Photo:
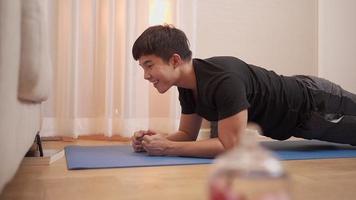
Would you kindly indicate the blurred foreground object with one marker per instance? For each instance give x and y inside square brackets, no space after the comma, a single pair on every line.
[248,172]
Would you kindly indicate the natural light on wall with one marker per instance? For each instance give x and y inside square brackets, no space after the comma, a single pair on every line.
[160,12]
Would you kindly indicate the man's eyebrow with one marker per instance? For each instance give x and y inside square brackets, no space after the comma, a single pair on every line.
[146,62]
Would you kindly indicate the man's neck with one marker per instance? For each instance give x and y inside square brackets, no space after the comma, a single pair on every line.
[187,77]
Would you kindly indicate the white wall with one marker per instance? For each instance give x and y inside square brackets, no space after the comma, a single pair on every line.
[337,42]
[276,34]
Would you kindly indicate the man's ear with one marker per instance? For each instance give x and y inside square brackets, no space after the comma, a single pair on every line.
[175,60]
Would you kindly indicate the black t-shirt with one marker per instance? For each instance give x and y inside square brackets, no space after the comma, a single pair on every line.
[227,85]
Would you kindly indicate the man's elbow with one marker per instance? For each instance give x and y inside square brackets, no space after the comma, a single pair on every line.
[229,141]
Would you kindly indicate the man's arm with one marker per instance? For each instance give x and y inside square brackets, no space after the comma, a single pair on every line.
[188,131]
[189,127]
[183,142]
[203,148]
[231,128]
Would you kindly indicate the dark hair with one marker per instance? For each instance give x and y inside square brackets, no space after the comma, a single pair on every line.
[162,41]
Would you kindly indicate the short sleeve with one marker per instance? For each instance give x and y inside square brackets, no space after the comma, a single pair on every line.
[186,100]
[230,97]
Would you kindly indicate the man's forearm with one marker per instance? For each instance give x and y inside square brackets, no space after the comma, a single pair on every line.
[202,148]
[180,136]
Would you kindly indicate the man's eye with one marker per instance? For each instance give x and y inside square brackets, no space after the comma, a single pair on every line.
[149,66]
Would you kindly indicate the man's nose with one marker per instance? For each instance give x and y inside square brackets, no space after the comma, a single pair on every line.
[146,75]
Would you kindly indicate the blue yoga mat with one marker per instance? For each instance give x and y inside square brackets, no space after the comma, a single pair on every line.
[115,156]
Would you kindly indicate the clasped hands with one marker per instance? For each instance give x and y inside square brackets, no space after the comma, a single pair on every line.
[153,143]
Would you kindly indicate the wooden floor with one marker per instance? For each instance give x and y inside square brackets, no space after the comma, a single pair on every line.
[327,179]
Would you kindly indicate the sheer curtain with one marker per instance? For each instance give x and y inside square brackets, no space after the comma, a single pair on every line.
[98,88]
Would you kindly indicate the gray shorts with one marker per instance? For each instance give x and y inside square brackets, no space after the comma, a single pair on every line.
[333,116]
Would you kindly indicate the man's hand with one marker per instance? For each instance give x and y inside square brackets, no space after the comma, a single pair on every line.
[156,145]
[136,140]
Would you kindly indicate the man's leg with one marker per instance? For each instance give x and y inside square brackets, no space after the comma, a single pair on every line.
[334,117]
[329,97]
[343,131]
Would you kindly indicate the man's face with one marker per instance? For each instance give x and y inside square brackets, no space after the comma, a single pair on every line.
[158,72]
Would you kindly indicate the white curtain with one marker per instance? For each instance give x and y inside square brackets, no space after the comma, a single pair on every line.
[98,88]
